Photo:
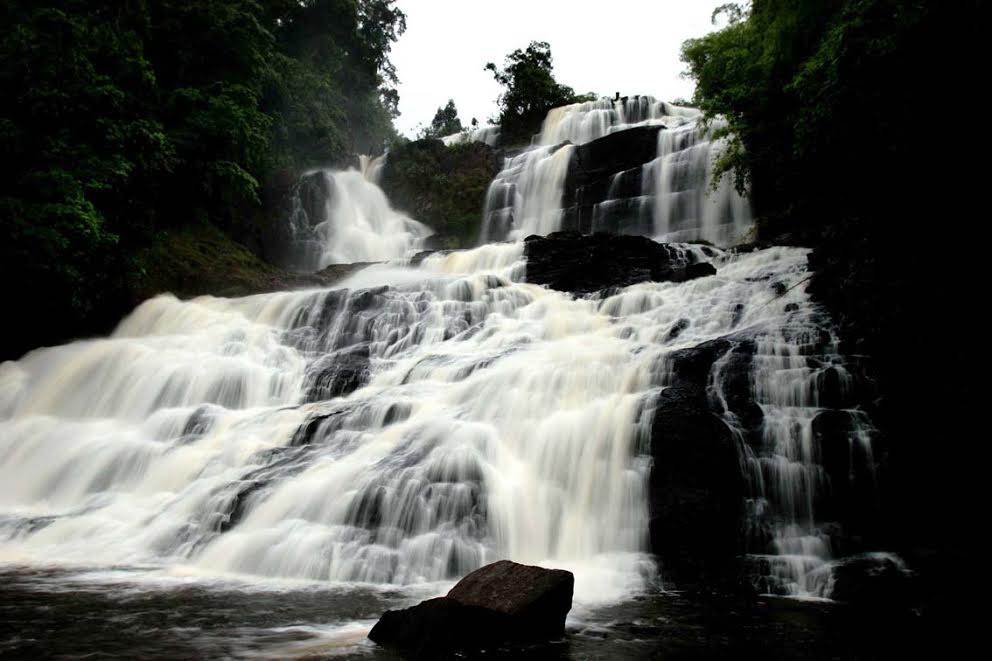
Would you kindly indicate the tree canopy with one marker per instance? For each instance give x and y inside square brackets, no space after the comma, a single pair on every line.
[530,90]
[832,130]
[119,120]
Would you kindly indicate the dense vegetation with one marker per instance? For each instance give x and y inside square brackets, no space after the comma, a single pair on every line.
[530,91]
[444,187]
[121,122]
[835,131]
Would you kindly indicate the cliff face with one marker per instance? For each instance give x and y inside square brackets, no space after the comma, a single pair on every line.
[444,187]
[609,168]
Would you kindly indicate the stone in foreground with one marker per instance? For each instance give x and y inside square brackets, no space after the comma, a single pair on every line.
[502,603]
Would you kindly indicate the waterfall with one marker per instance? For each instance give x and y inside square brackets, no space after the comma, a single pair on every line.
[674,194]
[679,188]
[525,197]
[409,425]
[580,123]
[342,217]
[797,375]
[486,134]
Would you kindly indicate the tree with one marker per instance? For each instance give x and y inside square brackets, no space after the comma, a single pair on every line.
[120,122]
[823,99]
[445,122]
[530,90]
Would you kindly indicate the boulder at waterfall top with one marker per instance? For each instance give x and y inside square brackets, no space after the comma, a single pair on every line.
[501,603]
[586,263]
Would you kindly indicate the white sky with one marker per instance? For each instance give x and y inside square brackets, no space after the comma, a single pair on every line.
[626,46]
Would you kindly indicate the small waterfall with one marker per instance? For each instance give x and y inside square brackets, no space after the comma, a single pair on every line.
[674,193]
[525,198]
[342,217]
[679,189]
[371,167]
[580,123]
[486,134]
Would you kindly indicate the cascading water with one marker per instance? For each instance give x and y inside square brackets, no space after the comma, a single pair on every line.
[675,192]
[344,217]
[486,134]
[680,192]
[580,123]
[525,198]
[492,418]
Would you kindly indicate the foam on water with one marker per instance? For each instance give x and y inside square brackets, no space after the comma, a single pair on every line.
[498,419]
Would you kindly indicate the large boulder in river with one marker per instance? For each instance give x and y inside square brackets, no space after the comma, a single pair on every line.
[499,604]
[585,263]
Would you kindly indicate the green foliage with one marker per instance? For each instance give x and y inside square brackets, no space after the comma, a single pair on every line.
[530,90]
[444,187]
[835,133]
[806,83]
[119,120]
[445,122]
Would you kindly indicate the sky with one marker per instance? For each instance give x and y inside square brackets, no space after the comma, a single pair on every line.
[626,46]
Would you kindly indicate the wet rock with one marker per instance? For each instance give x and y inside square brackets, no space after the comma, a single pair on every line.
[873,579]
[698,270]
[337,374]
[501,604]
[581,264]
[696,486]
[590,174]
[843,448]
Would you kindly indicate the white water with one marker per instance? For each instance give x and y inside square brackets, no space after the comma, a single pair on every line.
[678,186]
[500,420]
[677,191]
[580,123]
[525,197]
[485,134]
[358,224]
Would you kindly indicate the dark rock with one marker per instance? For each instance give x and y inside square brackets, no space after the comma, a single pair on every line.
[294,244]
[873,579]
[591,171]
[677,329]
[699,270]
[848,463]
[581,264]
[504,603]
[337,374]
[696,486]
[835,388]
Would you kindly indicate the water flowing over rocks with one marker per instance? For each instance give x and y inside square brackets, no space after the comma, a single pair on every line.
[600,402]
[501,603]
[634,165]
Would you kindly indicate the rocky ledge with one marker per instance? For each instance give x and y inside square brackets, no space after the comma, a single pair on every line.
[501,604]
[586,263]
